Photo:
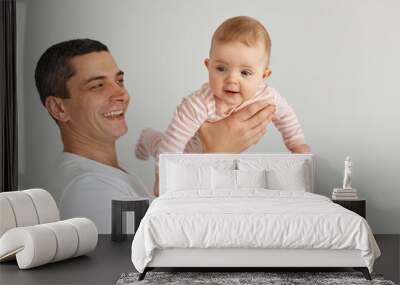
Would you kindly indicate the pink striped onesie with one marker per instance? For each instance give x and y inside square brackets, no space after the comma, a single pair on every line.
[199,107]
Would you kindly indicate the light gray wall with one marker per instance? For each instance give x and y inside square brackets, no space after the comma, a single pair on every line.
[337,63]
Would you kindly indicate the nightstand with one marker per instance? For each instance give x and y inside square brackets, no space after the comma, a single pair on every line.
[358,206]
[126,204]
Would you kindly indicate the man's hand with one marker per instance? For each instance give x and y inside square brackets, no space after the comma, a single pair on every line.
[239,131]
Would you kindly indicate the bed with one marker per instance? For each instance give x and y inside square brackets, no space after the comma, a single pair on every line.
[248,211]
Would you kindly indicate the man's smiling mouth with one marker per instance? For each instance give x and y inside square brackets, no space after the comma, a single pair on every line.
[114,114]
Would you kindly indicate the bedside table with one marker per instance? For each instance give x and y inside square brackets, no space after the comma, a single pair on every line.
[358,206]
[126,204]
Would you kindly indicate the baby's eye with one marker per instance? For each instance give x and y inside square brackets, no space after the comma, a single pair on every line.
[220,68]
[246,73]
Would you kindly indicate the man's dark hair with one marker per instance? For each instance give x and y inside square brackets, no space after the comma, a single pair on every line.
[54,69]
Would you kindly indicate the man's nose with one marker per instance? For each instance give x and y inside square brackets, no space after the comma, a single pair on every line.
[119,93]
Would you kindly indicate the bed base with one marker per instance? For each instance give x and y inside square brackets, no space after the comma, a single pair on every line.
[364,270]
[251,259]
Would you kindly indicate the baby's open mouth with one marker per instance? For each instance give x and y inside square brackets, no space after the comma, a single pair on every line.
[231,92]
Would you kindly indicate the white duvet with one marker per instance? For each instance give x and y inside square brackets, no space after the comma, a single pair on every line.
[251,218]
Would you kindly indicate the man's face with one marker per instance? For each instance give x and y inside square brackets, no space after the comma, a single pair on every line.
[98,99]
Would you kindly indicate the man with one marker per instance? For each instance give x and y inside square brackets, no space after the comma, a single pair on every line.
[82,88]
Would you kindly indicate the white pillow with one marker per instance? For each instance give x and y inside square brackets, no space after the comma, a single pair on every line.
[229,179]
[251,178]
[181,177]
[223,179]
[281,174]
[293,178]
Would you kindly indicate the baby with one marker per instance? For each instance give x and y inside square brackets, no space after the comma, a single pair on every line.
[238,68]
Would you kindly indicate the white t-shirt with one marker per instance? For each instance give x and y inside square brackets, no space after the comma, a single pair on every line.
[84,188]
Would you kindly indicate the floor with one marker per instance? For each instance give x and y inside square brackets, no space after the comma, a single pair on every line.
[388,263]
[110,260]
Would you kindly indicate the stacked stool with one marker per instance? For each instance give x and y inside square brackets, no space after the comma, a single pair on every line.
[31,231]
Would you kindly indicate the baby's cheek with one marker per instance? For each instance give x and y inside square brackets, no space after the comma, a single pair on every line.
[251,92]
[214,86]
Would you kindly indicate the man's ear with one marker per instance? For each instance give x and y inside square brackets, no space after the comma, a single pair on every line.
[267,73]
[207,62]
[55,106]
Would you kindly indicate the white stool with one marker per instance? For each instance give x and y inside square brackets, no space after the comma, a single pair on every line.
[32,233]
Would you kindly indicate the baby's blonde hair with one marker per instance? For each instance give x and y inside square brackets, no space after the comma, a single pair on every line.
[243,29]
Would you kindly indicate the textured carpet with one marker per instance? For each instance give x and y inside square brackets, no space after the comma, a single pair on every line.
[225,278]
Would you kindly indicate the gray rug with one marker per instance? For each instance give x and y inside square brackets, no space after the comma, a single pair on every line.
[270,278]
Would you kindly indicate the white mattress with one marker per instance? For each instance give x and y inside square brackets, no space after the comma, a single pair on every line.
[251,218]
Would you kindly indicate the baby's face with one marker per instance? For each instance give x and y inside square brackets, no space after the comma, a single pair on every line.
[236,71]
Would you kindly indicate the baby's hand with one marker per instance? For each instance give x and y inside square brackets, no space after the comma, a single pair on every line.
[302,148]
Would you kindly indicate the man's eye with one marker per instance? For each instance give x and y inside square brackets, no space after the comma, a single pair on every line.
[220,68]
[97,86]
[246,73]
[120,82]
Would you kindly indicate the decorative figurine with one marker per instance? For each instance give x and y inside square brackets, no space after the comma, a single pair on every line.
[347,173]
[346,192]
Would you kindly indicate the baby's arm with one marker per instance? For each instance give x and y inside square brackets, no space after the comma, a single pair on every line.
[188,117]
[287,123]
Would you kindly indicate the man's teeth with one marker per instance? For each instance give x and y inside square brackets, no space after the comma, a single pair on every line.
[113,114]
